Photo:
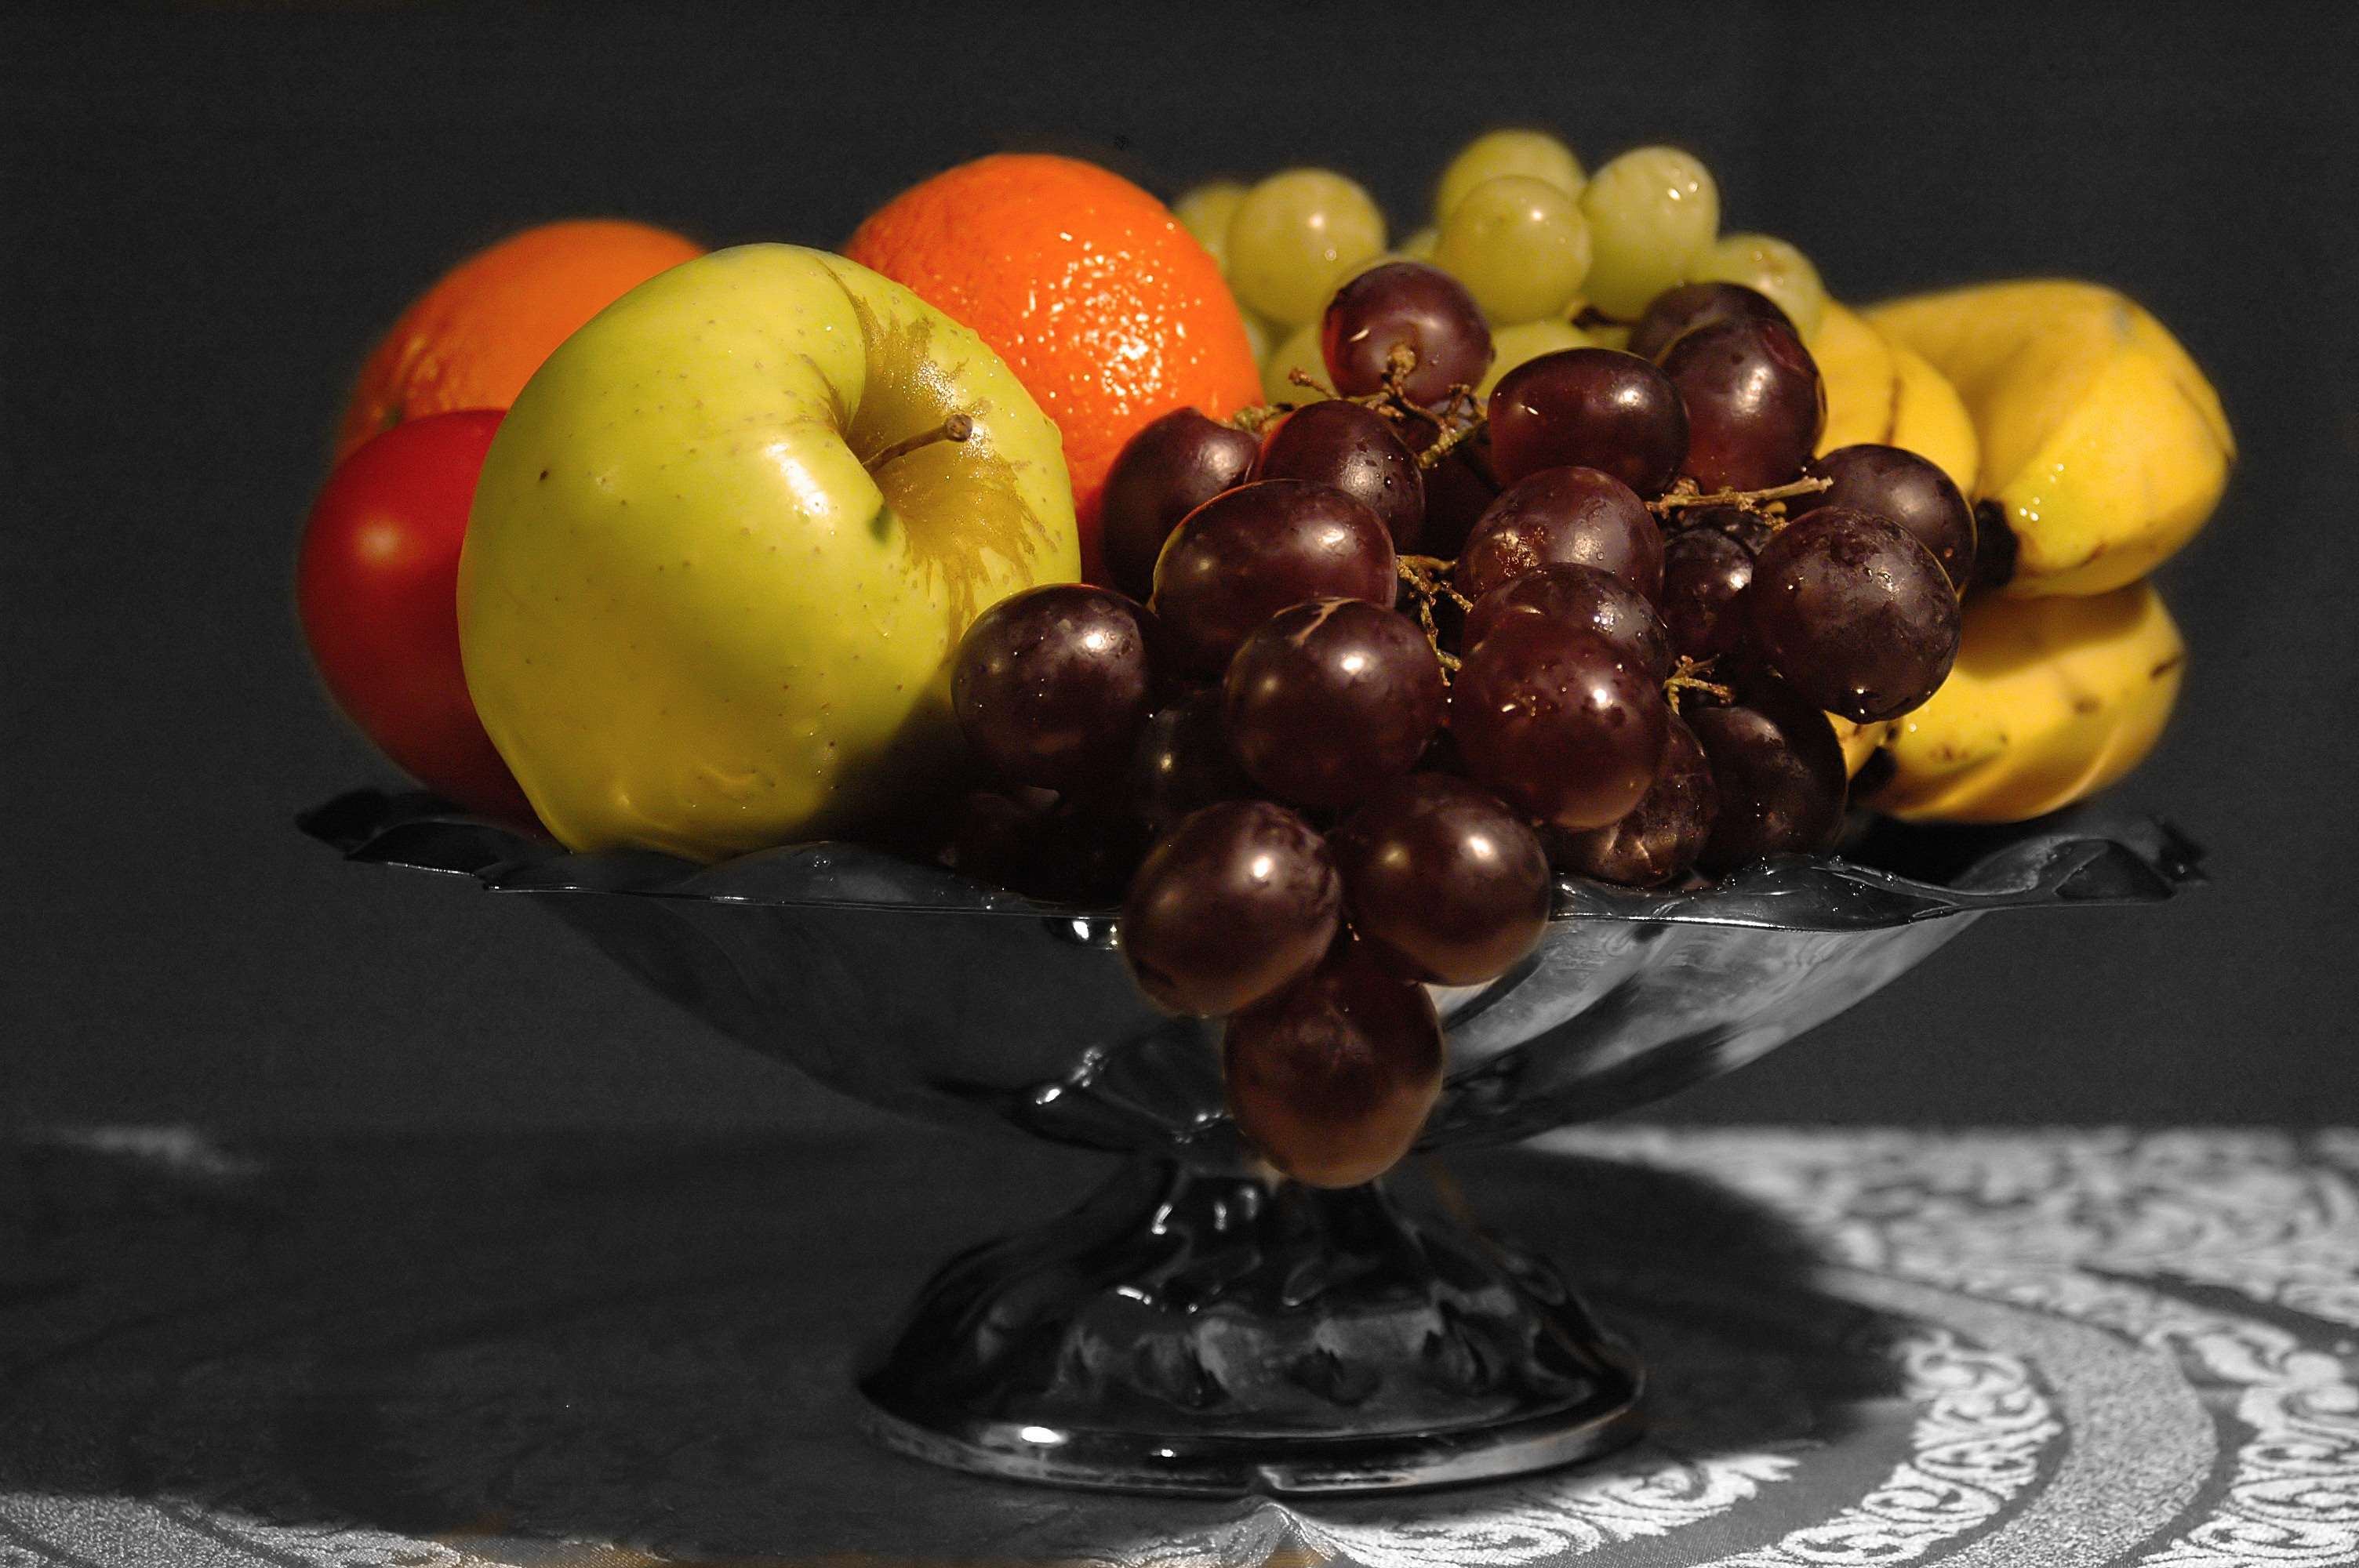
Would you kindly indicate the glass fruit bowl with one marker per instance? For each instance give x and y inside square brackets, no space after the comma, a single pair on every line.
[1195,1327]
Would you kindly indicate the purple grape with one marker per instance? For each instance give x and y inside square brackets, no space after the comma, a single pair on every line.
[1329,699]
[1585,597]
[1052,685]
[1443,879]
[1250,552]
[1457,488]
[1331,1078]
[1405,305]
[1356,450]
[1559,720]
[1898,486]
[1175,464]
[1184,762]
[1754,400]
[1855,613]
[1569,516]
[1594,408]
[1705,573]
[1238,901]
[1778,771]
[1664,834]
[1676,312]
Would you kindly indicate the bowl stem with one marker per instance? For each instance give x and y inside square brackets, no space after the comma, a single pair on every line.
[1188,1330]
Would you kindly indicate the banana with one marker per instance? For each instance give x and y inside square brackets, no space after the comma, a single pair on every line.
[1929,418]
[2100,439]
[1883,392]
[2052,698]
[1858,742]
[1856,366]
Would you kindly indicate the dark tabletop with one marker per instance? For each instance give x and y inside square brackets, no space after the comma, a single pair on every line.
[2040,1350]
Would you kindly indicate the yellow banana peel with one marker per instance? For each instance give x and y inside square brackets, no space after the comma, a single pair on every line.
[2051,699]
[1858,742]
[1856,366]
[1882,391]
[2101,439]
[1929,418]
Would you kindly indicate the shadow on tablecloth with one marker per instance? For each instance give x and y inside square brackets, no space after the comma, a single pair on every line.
[645,1344]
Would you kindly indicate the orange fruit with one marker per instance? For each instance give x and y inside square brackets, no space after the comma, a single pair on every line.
[475,338]
[1108,311]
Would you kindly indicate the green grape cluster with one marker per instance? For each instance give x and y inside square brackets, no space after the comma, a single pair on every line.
[1557,255]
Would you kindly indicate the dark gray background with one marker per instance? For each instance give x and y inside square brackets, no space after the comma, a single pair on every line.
[210,215]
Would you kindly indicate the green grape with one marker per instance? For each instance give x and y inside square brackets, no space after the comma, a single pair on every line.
[1534,154]
[1419,246]
[1651,213]
[1258,336]
[1205,210]
[1292,235]
[1300,352]
[1512,346]
[1613,335]
[1520,246]
[1771,265]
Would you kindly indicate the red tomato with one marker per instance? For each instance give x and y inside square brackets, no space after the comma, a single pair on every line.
[377,584]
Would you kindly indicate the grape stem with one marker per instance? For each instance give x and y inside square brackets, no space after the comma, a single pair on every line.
[1297,376]
[1457,428]
[1689,676]
[1392,399]
[1742,499]
[1458,418]
[1258,417]
[1427,578]
[1255,417]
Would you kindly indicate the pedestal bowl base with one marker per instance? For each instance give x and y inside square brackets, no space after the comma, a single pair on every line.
[1183,1332]
[1189,1328]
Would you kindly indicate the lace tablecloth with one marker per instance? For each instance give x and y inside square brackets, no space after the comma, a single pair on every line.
[2052,1348]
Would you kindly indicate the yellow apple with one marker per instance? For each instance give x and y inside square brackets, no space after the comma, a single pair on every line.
[726,542]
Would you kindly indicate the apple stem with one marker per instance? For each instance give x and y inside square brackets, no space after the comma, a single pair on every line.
[956,427]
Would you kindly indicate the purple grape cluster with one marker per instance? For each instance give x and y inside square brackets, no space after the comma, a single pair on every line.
[1321,772]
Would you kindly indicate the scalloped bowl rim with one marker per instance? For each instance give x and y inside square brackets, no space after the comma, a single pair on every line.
[2113,858]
